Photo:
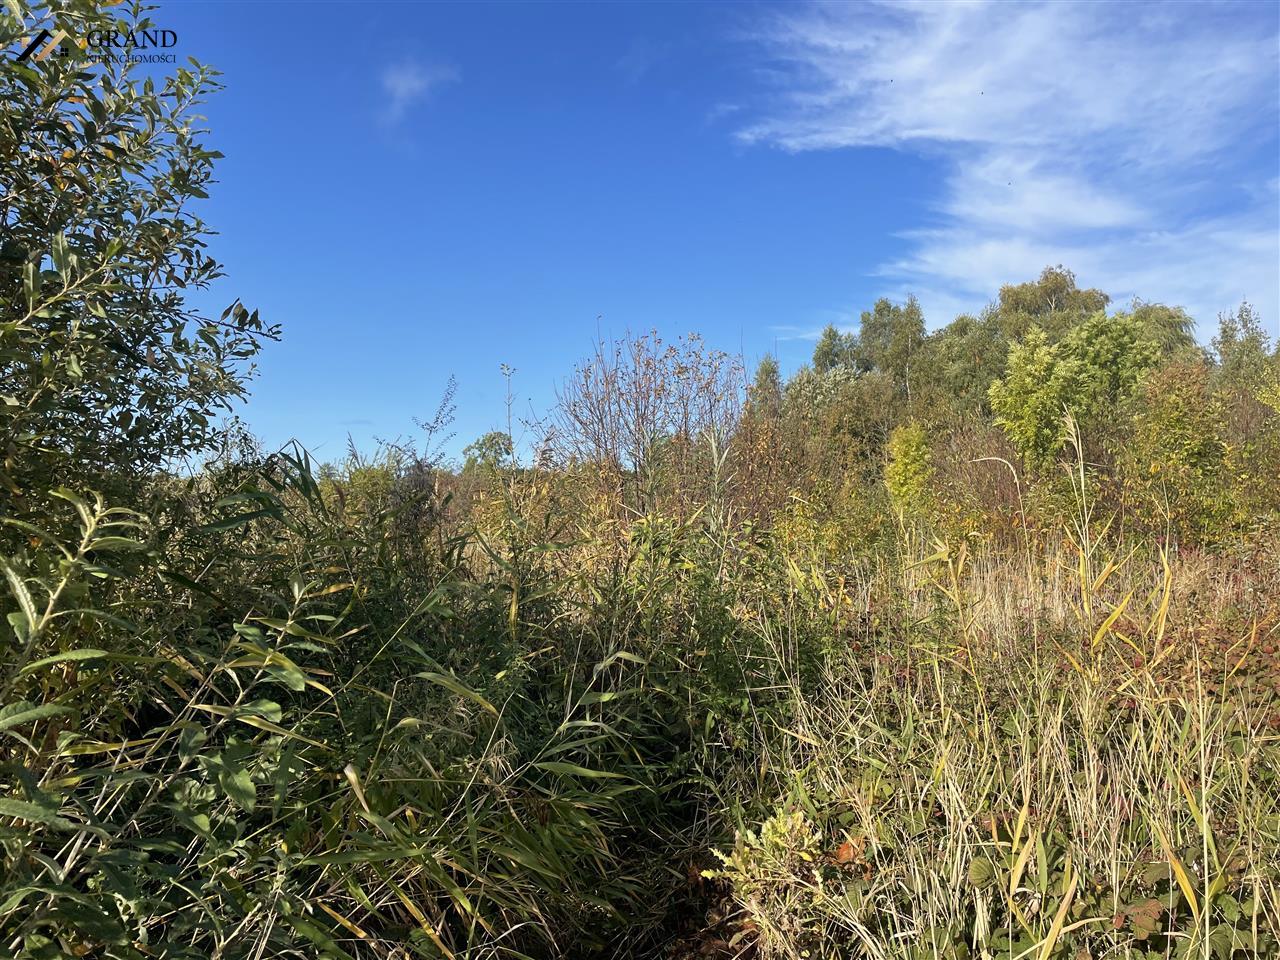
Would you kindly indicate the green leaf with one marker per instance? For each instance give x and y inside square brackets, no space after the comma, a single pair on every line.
[15,898]
[35,814]
[91,922]
[16,714]
[573,770]
[1223,941]
[316,936]
[238,785]
[981,872]
[116,543]
[21,625]
[257,722]
[289,675]
[60,254]
[190,740]
[267,709]
[87,654]
[26,604]
[454,685]
[31,283]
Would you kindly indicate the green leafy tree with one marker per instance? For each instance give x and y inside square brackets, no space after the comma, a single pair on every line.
[890,338]
[766,388]
[1243,348]
[1089,373]
[489,452]
[1053,302]
[105,370]
[1030,401]
[1269,393]
[1114,354]
[834,350]
[1176,456]
[1172,328]
[957,364]
[1245,383]
[953,372]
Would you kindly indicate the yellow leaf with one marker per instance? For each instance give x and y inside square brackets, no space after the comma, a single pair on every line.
[1055,931]
[1180,873]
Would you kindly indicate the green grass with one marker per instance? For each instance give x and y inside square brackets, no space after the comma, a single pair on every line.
[705,739]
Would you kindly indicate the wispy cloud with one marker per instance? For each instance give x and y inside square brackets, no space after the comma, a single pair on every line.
[1134,143]
[640,58]
[811,326]
[409,82]
[720,111]
[787,332]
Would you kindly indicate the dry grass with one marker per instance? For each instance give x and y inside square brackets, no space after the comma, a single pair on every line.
[1045,762]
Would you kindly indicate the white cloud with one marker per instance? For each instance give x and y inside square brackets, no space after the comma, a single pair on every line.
[812,326]
[1133,143]
[788,332]
[408,82]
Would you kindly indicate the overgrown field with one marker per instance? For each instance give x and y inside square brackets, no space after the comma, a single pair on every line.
[950,645]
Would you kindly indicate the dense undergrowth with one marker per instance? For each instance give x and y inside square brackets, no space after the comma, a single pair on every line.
[882,661]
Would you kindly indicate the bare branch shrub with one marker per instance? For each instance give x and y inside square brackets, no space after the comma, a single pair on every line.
[643,414]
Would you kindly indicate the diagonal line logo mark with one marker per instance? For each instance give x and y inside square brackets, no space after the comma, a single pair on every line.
[45,42]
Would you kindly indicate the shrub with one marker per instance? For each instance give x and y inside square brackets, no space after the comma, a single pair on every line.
[1175,460]
[908,474]
[1088,374]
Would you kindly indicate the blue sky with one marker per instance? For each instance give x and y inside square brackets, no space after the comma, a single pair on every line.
[422,190]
